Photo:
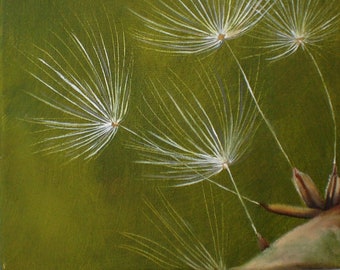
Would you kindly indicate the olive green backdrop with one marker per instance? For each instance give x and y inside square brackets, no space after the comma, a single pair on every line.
[69,216]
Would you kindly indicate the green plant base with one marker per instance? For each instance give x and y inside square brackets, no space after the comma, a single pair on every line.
[313,245]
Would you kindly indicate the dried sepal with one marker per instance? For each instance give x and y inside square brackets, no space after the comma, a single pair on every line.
[333,190]
[292,211]
[311,197]
[307,190]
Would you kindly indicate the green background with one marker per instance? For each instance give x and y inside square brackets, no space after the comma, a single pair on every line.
[56,216]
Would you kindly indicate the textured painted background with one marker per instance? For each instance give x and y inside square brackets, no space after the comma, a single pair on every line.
[69,216]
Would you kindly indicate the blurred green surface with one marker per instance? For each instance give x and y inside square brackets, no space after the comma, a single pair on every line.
[56,216]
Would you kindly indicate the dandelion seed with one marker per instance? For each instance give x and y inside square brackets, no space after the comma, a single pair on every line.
[191,140]
[196,26]
[192,143]
[295,24]
[88,81]
[305,24]
[181,246]
[202,26]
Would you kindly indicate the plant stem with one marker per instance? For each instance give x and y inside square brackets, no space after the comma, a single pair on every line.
[270,127]
[242,202]
[331,107]
[233,192]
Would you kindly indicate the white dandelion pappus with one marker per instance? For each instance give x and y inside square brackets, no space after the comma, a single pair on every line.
[294,24]
[305,24]
[191,143]
[88,82]
[180,245]
[197,26]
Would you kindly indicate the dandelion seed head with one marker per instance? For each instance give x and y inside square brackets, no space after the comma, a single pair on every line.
[87,79]
[294,24]
[225,165]
[189,142]
[221,37]
[299,40]
[196,26]
[114,124]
